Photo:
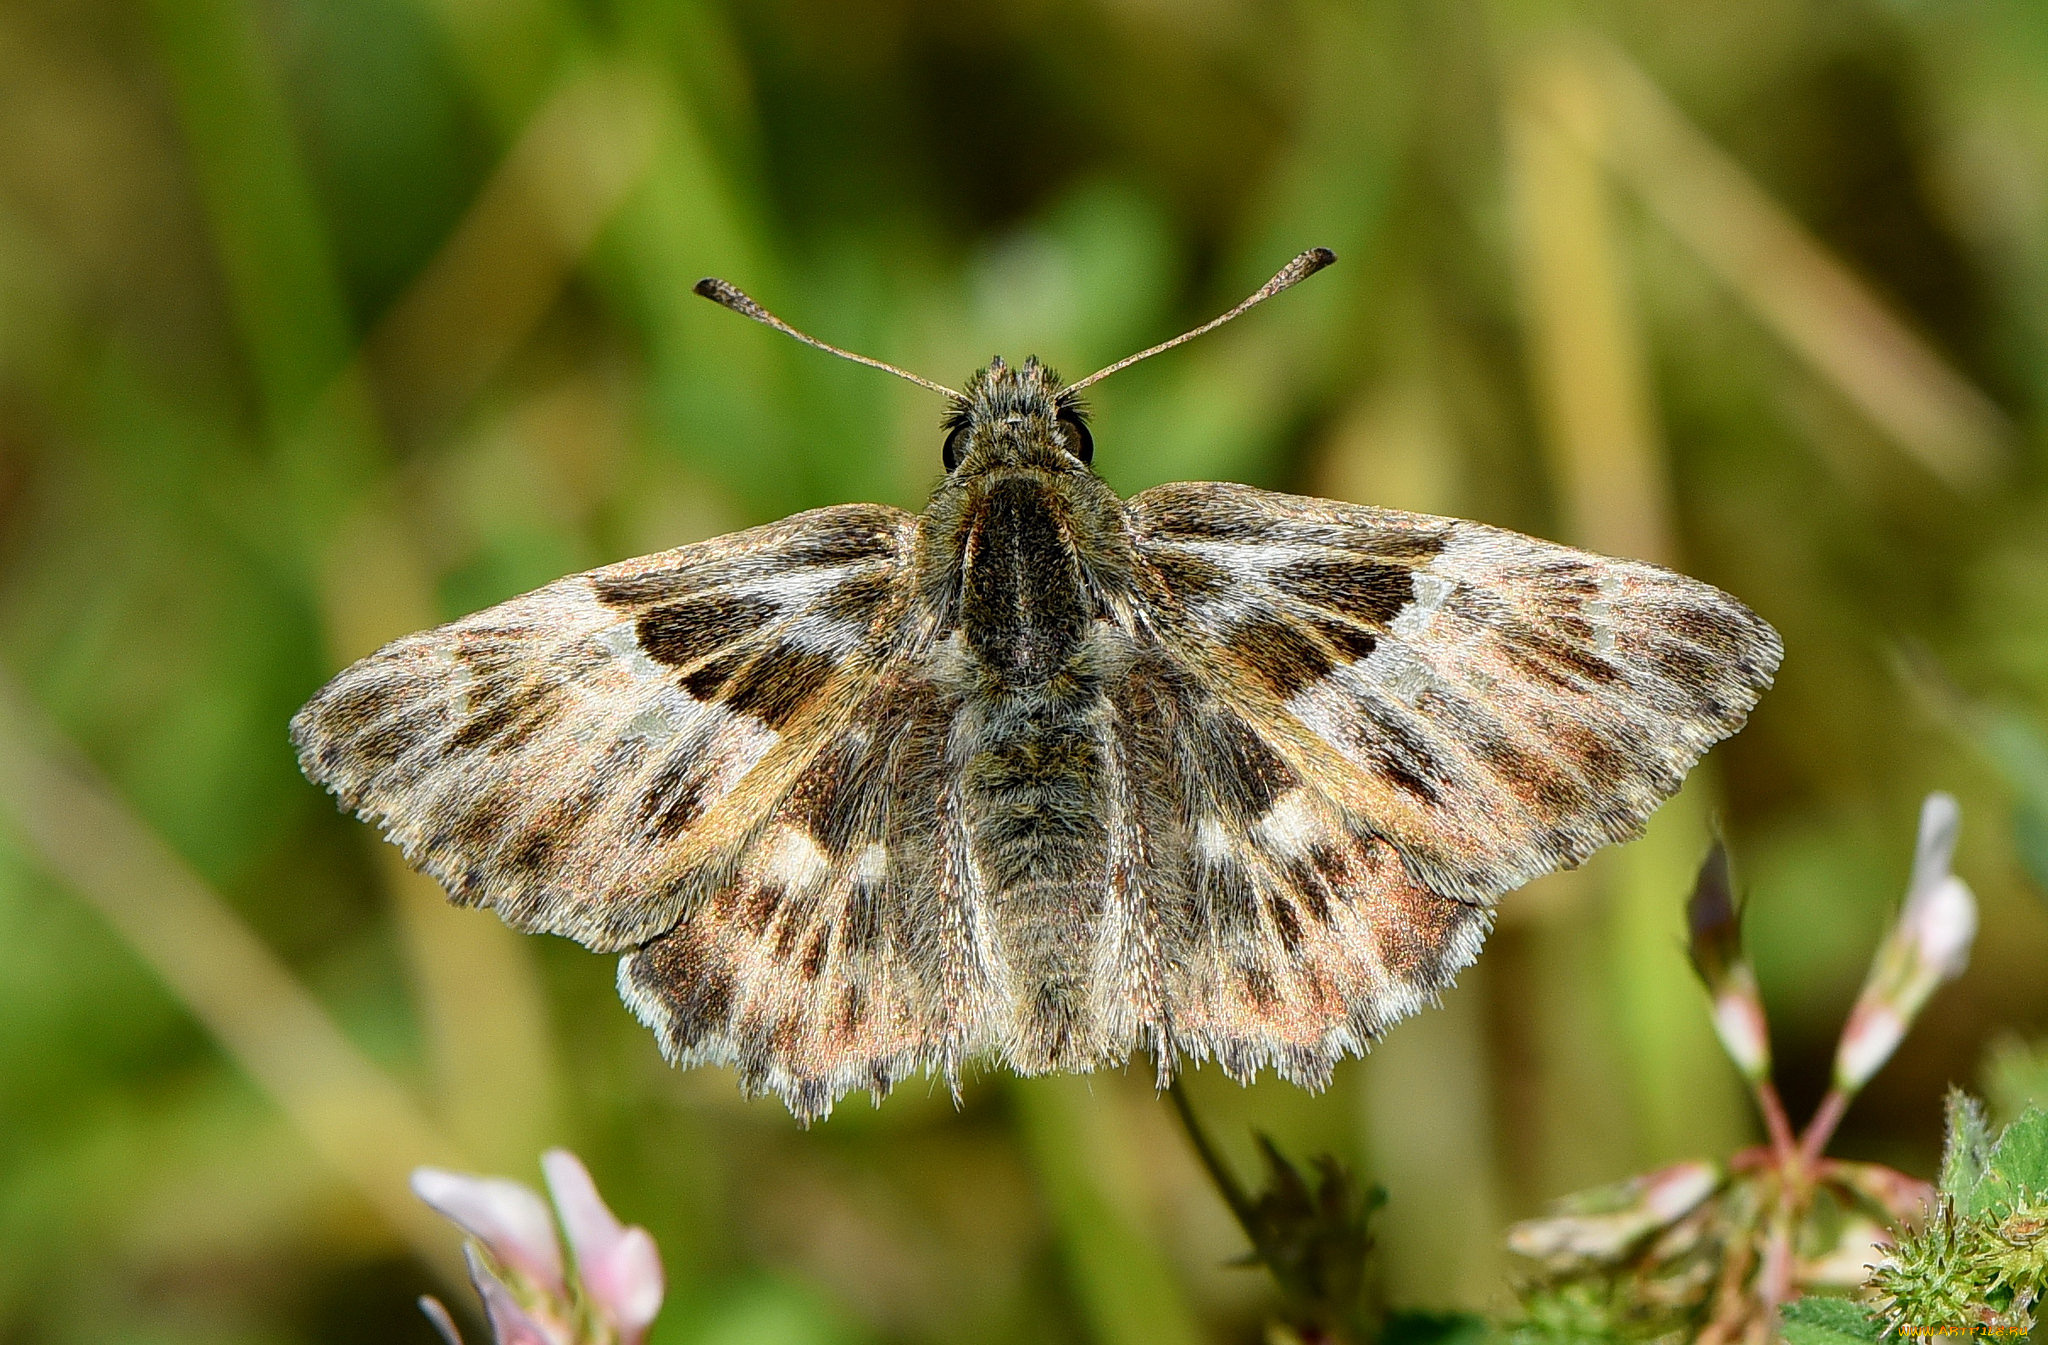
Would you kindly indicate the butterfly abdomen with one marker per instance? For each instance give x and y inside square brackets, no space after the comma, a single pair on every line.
[1034,791]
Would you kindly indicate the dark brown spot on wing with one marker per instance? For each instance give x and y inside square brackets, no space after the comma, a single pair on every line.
[681,633]
[841,797]
[1543,653]
[673,800]
[1245,774]
[858,598]
[509,706]
[861,928]
[706,682]
[1353,642]
[1225,904]
[1280,654]
[1370,592]
[1415,546]
[694,984]
[1189,577]
[1286,921]
[771,687]
[1319,878]
[1415,935]
[816,952]
[846,542]
[757,911]
[1603,765]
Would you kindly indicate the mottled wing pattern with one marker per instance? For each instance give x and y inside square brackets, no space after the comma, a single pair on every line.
[590,759]
[1389,719]
[841,951]
[1287,935]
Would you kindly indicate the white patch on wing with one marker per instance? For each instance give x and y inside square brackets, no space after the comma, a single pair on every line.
[622,642]
[451,664]
[871,865]
[659,720]
[1395,670]
[1211,840]
[794,858]
[1431,592]
[1600,611]
[1292,824]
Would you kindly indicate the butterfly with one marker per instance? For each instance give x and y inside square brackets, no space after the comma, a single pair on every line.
[1040,774]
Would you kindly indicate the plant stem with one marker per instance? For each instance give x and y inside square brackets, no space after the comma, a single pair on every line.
[1212,1162]
[1821,1128]
[1776,1123]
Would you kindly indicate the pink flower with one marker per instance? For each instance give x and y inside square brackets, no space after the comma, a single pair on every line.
[610,1296]
[507,1217]
[620,1267]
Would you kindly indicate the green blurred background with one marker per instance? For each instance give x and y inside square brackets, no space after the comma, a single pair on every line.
[322,320]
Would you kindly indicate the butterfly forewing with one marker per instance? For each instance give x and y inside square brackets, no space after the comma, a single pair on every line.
[1489,705]
[570,758]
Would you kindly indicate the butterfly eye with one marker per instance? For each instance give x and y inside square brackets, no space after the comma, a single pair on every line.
[1080,443]
[956,447]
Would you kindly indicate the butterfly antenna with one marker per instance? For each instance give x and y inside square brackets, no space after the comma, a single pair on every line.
[731,296]
[1292,274]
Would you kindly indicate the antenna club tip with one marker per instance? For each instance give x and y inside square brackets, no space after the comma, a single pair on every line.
[1304,266]
[711,287]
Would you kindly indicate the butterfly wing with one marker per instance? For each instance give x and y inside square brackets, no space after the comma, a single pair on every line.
[589,759]
[1388,720]
[843,950]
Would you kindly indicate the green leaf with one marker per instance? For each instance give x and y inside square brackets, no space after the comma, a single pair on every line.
[1827,1321]
[2030,840]
[1967,1152]
[2016,1077]
[2018,1168]
[1436,1328]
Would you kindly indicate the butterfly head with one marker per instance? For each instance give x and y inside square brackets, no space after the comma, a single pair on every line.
[1017,417]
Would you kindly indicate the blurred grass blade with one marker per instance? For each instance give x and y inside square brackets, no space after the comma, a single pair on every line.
[496,276]
[1794,285]
[283,287]
[353,1114]
[1614,494]
[1428,1105]
[330,451]
[1127,1290]
[1588,354]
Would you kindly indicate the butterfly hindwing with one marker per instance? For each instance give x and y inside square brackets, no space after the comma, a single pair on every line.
[1288,936]
[574,758]
[841,950]
[1489,705]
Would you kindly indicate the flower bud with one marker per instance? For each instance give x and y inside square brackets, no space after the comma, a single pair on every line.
[1929,944]
[1716,950]
[1602,1226]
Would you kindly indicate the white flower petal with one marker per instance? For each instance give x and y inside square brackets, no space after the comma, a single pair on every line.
[508,1217]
